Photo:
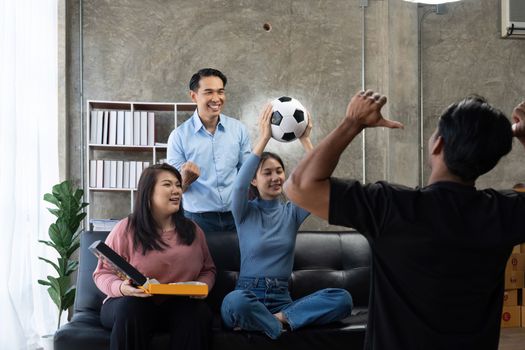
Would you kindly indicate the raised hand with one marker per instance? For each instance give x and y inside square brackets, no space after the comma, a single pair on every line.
[265,130]
[305,137]
[365,110]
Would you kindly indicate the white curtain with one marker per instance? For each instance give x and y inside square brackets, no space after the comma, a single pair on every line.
[28,167]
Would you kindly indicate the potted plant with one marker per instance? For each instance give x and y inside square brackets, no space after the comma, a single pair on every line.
[64,237]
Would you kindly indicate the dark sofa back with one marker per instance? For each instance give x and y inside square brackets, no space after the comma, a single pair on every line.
[322,259]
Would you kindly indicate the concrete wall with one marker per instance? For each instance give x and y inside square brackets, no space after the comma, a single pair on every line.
[146,50]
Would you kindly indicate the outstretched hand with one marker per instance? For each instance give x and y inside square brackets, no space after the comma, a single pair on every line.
[365,110]
[518,119]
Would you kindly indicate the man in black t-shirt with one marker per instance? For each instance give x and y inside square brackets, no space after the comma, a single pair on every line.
[439,252]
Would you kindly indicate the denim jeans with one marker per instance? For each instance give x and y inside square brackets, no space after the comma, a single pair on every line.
[253,303]
[213,221]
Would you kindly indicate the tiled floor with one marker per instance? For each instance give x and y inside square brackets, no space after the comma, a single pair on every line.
[512,339]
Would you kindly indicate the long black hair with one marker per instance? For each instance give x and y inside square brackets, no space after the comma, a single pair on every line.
[254,192]
[141,221]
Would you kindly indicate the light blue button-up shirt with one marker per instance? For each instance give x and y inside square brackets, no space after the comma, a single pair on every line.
[219,157]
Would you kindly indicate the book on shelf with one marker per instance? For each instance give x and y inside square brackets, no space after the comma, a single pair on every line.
[132,174]
[100,174]
[105,128]
[92,173]
[136,128]
[128,128]
[100,124]
[93,127]
[120,127]
[151,128]
[143,128]
[107,174]
[139,166]
[120,173]
[112,133]
[125,180]
[113,174]
[161,144]
[125,271]
[102,224]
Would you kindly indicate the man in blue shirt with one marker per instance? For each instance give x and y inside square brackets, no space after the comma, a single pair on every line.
[208,149]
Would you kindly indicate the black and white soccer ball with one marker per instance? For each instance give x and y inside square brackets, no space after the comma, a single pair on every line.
[289,119]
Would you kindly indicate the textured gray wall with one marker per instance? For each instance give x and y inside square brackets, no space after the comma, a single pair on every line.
[464,54]
[146,50]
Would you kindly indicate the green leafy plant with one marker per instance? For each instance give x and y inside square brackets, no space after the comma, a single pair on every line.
[64,237]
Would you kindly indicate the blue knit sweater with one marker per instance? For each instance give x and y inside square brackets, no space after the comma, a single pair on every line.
[266,228]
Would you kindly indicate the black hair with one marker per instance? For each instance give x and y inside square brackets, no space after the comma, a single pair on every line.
[254,192]
[141,221]
[476,136]
[206,72]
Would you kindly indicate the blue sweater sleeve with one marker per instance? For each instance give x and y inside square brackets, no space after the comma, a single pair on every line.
[242,186]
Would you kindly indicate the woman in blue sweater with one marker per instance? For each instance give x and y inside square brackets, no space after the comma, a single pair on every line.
[267,228]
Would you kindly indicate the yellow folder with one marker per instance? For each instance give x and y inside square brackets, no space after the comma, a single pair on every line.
[191,288]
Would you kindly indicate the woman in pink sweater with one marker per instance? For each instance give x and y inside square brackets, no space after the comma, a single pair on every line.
[161,243]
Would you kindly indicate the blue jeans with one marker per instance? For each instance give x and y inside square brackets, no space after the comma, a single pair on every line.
[213,221]
[253,303]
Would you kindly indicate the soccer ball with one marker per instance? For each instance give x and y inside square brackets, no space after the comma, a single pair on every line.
[289,119]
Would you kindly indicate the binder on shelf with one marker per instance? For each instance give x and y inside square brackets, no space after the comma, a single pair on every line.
[136,128]
[128,128]
[120,173]
[103,224]
[120,127]
[127,271]
[143,128]
[92,173]
[112,137]
[132,174]
[151,128]
[125,174]
[93,127]
[100,126]
[139,166]
[113,174]
[107,174]
[100,173]
[105,128]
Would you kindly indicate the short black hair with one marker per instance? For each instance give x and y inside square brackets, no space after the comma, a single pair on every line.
[476,136]
[206,72]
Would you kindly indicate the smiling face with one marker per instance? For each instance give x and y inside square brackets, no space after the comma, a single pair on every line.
[269,179]
[166,196]
[209,97]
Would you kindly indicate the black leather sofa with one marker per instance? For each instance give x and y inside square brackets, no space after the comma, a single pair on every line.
[322,259]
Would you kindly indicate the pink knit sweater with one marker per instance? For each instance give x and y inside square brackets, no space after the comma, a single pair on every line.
[176,263]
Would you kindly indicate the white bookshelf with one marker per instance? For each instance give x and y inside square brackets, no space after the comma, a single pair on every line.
[111,143]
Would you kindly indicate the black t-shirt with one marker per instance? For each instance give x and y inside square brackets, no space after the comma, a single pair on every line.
[438,260]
